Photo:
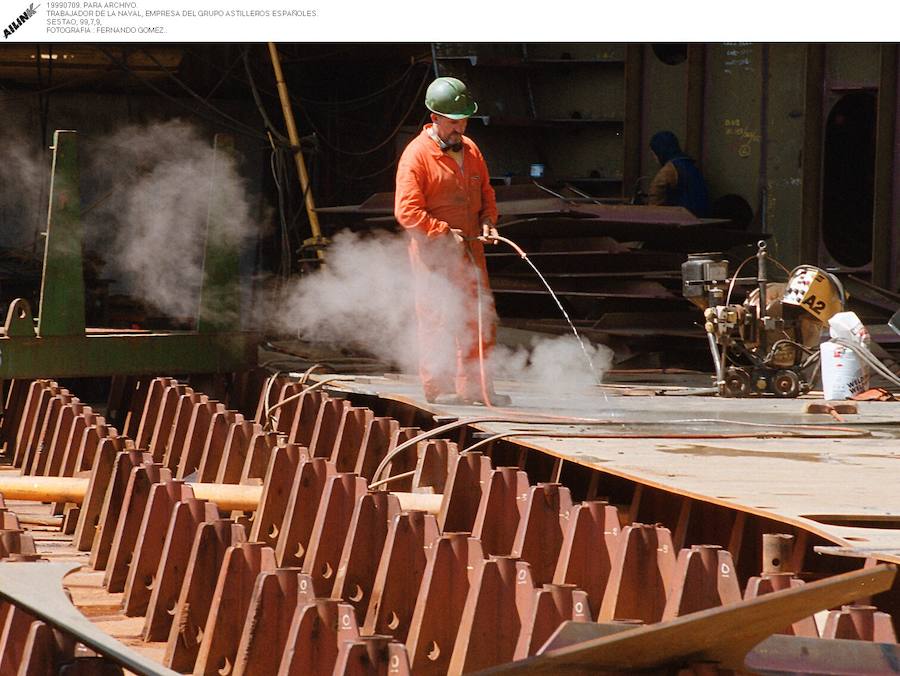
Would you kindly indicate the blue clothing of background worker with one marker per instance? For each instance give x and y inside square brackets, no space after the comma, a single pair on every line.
[679,181]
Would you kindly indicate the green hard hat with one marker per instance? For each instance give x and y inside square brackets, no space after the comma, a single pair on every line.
[450,97]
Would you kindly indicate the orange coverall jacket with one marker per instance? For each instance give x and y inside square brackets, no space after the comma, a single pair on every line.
[433,195]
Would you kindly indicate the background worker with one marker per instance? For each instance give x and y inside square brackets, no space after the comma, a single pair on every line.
[445,202]
[679,181]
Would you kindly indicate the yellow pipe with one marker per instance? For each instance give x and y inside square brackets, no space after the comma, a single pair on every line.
[227,497]
[295,142]
[43,488]
[230,496]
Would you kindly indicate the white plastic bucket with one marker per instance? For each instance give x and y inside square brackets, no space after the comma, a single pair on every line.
[846,326]
[843,373]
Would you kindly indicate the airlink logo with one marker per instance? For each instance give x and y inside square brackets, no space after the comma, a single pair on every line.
[22,18]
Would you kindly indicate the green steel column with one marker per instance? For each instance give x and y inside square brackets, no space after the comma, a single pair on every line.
[62,289]
[220,294]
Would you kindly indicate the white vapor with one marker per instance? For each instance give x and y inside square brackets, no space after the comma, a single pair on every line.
[364,297]
[24,180]
[554,365]
[154,186]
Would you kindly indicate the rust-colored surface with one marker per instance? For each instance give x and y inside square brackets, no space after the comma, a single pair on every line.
[259,452]
[214,445]
[153,405]
[115,498]
[276,595]
[241,566]
[372,656]
[860,623]
[348,443]
[48,408]
[326,541]
[283,464]
[29,411]
[187,516]
[27,645]
[198,429]
[17,545]
[327,576]
[50,459]
[552,605]
[463,490]
[641,575]
[328,421]
[435,458]
[307,487]
[301,427]
[540,534]
[141,482]
[404,463]
[286,415]
[92,506]
[235,451]
[705,577]
[150,542]
[375,445]
[400,574]
[82,437]
[367,533]
[500,511]
[198,590]
[769,582]
[436,618]
[318,628]
[166,411]
[184,410]
[499,599]
[16,402]
[587,549]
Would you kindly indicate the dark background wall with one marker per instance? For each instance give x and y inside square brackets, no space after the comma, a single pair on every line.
[796,140]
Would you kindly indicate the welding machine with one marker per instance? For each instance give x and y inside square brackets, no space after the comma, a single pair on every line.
[769,346]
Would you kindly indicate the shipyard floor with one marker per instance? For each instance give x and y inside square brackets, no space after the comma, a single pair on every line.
[835,478]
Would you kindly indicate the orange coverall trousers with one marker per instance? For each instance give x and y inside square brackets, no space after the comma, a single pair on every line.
[436,192]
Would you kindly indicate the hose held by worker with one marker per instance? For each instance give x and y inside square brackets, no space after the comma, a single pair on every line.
[446,204]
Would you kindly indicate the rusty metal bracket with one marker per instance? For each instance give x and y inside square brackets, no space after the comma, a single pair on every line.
[38,589]
[724,635]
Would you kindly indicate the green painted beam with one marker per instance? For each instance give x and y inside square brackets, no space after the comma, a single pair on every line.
[126,354]
[63,348]
[220,294]
[61,311]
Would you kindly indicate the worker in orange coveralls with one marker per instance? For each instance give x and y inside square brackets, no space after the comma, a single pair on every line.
[445,202]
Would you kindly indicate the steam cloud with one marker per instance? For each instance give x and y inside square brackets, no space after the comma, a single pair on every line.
[158,181]
[150,211]
[556,365]
[364,298]
[24,179]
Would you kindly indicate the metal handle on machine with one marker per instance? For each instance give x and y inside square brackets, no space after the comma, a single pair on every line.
[762,276]
[717,360]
